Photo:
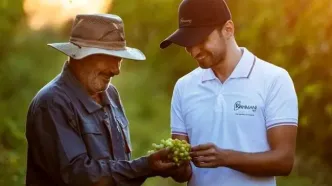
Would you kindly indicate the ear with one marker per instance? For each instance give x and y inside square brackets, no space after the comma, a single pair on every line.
[228,31]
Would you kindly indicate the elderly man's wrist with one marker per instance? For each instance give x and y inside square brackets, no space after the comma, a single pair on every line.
[144,166]
[183,174]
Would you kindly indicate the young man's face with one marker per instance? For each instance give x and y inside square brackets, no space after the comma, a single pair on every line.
[211,51]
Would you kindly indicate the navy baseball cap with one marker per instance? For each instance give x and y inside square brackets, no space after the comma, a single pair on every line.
[197,19]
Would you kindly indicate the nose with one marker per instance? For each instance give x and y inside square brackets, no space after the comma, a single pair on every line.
[116,71]
[115,67]
[194,50]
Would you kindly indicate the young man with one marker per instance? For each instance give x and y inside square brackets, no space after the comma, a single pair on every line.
[238,112]
[77,130]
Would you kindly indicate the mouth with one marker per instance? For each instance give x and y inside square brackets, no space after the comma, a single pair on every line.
[107,77]
[200,57]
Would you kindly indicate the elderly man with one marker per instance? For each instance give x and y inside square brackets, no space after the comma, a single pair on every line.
[76,129]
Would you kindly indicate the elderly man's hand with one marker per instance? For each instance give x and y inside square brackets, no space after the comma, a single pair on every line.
[159,161]
[162,166]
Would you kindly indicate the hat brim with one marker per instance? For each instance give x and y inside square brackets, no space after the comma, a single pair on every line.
[77,52]
[187,36]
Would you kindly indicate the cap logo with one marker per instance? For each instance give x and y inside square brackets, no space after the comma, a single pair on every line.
[185,22]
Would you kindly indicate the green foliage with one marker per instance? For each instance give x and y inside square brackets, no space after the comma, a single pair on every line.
[293,34]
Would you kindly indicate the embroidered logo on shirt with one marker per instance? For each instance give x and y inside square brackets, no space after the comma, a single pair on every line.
[244,109]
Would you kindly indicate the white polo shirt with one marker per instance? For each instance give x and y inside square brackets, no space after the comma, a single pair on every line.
[233,115]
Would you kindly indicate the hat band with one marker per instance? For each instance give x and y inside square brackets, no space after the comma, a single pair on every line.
[110,45]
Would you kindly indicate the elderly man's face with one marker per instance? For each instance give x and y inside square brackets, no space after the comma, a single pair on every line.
[96,72]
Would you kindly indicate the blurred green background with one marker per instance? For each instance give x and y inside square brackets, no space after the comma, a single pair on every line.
[294,34]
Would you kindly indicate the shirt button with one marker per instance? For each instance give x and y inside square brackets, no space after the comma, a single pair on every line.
[219,103]
[106,122]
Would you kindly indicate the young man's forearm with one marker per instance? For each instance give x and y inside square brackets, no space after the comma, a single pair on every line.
[270,163]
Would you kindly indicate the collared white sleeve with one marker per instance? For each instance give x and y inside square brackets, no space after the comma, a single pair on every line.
[281,103]
[177,120]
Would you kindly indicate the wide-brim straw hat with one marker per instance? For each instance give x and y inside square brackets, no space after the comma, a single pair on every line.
[98,34]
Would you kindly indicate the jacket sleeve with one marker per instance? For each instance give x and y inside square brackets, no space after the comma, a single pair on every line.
[60,151]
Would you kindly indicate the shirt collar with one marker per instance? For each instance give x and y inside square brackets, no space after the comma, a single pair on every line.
[77,89]
[242,70]
[208,75]
[244,67]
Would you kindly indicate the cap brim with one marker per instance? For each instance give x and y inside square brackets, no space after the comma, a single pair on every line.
[77,52]
[187,36]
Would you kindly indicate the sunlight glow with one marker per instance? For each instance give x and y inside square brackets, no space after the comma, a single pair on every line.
[55,13]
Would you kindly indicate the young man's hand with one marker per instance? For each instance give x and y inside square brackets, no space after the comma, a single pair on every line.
[208,156]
